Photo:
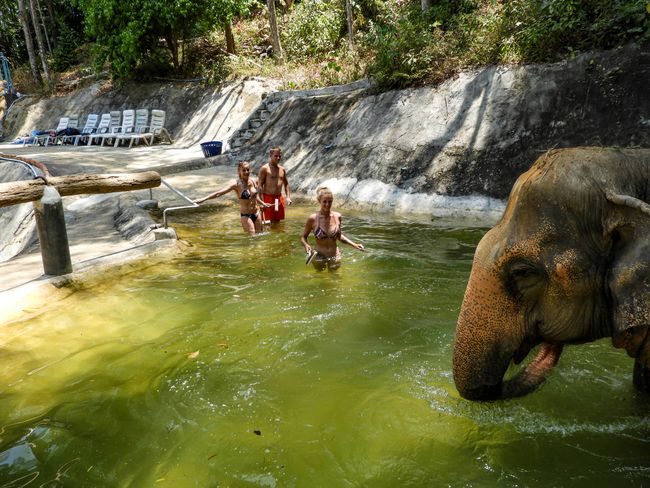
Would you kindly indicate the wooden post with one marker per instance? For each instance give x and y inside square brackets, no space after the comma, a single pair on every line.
[50,223]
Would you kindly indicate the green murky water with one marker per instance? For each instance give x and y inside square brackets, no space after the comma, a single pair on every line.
[237,365]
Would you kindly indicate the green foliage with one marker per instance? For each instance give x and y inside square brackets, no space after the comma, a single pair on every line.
[216,71]
[314,28]
[344,69]
[540,31]
[396,43]
[11,34]
[407,46]
[205,59]
[65,54]
[149,35]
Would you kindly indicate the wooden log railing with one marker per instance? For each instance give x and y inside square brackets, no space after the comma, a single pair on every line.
[46,192]
[15,192]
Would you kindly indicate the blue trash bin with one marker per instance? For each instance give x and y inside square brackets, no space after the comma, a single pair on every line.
[211,148]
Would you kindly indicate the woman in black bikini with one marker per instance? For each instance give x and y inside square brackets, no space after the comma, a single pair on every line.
[326,226]
[246,190]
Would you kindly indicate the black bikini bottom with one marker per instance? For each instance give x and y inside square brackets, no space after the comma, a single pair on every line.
[253,217]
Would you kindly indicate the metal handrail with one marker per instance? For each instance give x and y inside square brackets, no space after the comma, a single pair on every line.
[23,163]
[6,83]
[187,199]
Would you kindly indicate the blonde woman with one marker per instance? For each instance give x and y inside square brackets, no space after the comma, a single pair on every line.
[327,228]
[246,190]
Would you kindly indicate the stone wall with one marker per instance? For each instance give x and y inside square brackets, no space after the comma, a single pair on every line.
[473,135]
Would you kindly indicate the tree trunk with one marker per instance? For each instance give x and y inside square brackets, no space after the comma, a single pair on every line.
[425,5]
[42,20]
[348,15]
[24,191]
[172,44]
[53,26]
[29,42]
[41,44]
[275,35]
[230,38]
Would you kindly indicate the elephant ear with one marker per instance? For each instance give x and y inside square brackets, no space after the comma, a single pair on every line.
[628,227]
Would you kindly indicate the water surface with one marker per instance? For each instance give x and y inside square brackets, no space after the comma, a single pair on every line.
[237,365]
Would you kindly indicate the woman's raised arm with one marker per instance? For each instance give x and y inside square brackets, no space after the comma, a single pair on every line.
[231,187]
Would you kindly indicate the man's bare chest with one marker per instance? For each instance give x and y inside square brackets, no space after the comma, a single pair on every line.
[275,174]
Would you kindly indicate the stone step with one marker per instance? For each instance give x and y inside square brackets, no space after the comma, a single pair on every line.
[271,106]
[255,123]
[264,114]
[248,134]
[237,142]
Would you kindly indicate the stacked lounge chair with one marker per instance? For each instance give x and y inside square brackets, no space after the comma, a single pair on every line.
[114,127]
[141,119]
[155,129]
[89,128]
[43,139]
[102,127]
[117,127]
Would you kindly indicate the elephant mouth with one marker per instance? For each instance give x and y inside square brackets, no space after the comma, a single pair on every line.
[534,374]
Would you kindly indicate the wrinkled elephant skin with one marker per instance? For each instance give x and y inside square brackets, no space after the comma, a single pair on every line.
[568,263]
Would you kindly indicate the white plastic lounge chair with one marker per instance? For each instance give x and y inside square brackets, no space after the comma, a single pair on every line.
[128,123]
[73,123]
[141,120]
[44,139]
[89,128]
[156,129]
[116,120]
[103,127]
[114,128]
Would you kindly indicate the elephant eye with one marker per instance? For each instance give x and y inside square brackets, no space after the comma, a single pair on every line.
[520,272]
[522,268]
[524,280]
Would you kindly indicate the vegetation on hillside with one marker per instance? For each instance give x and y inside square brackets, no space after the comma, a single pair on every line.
[397,42]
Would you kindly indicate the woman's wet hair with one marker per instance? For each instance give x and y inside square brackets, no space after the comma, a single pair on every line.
[323,190]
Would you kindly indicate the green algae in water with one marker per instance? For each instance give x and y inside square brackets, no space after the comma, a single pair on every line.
[237,365]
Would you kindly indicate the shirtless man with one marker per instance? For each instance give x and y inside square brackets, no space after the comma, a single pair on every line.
[271,179]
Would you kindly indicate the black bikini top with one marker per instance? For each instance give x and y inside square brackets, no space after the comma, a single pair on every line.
[320,233]
[246,194]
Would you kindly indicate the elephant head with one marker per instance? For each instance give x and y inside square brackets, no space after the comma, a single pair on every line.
[568,263]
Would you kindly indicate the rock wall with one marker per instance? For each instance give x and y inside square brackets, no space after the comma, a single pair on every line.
[17,223]
[473,135]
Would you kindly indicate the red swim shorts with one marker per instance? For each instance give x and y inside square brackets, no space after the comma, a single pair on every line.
[270,213]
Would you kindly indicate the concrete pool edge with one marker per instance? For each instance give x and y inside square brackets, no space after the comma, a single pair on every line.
[39,295]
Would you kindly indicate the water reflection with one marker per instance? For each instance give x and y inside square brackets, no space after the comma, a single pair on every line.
[237,365]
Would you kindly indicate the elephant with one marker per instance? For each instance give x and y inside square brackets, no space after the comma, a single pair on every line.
[567,263]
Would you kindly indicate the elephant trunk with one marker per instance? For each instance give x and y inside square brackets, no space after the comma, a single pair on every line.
[489,335]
